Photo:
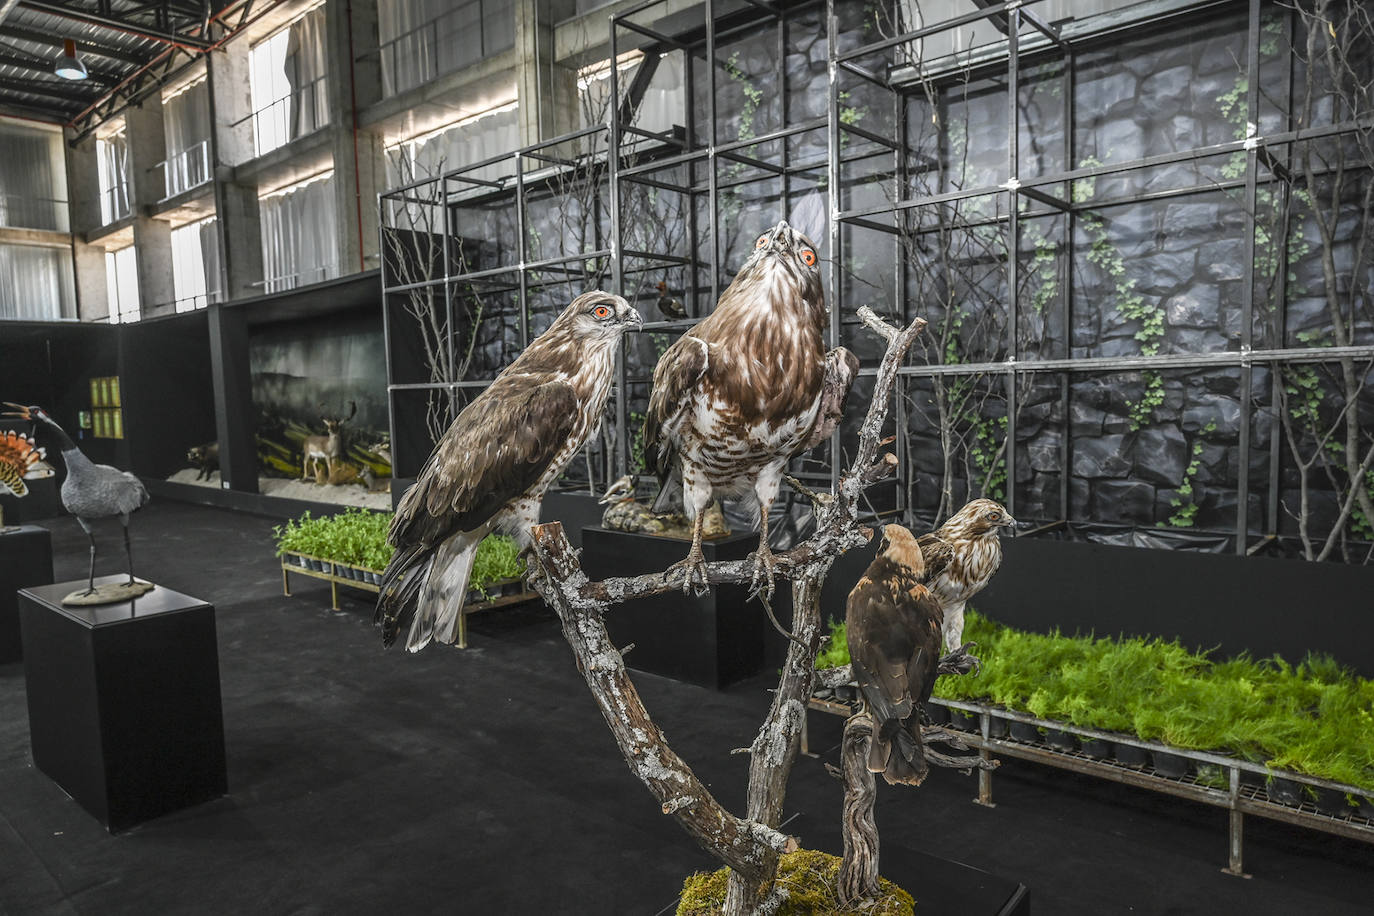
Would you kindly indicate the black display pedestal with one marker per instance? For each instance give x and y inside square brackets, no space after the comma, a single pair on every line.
[25,559]
[124,701]
[713,640]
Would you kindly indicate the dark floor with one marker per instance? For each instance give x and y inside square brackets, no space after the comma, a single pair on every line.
[484,781]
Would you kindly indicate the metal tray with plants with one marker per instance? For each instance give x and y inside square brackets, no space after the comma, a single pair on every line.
[351,549]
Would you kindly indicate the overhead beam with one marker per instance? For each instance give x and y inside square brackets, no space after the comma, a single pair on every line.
[110,22]
[38,65]
[47,90]
[83,45]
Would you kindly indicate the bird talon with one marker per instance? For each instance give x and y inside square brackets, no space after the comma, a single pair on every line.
[765,568]
[693,569]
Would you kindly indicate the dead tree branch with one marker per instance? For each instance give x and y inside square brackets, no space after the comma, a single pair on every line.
[749,846]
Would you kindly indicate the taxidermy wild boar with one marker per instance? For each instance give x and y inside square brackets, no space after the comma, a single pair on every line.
[205,457]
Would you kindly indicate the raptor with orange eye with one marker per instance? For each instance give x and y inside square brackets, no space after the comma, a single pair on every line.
[763,240]
[808,257]
[602,311]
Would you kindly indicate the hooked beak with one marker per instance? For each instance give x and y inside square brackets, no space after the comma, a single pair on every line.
[1008,522]
[20,412]
[633,321]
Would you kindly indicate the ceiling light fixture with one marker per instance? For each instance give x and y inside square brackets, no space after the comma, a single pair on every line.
[69,66]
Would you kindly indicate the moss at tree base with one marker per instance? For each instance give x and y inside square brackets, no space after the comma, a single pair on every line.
[810,879]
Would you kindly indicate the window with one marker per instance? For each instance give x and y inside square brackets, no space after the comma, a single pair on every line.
[422,39]
[287,82]
[195,264]
[186,126]
[662,105]
[121,285]
[33,179]
[489,134]
[107,414]
[112,154]
[36,283]
[299,234]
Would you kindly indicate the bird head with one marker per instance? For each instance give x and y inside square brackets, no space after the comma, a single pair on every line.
[784,244]
[980,518]
[600,315]
[662,288]
[624,488]
[20,412]
[899,545]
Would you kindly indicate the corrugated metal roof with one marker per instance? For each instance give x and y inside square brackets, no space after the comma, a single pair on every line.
[127,46]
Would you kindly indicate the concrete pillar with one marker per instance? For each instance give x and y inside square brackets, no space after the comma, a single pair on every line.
[152,237]
[231,142]
[547,90]
[233,389]
[83,208]
[355,83]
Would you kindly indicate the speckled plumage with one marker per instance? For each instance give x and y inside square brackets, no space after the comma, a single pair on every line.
[748,388]
[492,466]
[961,557]
[893,627]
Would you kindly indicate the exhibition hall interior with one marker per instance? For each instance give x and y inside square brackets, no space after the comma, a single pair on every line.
[692,457]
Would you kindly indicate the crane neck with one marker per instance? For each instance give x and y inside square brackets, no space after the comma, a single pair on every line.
[70,453]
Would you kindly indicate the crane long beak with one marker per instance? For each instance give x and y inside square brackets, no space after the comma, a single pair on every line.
[19,412]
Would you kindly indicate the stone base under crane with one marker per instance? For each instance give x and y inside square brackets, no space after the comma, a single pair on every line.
[108,593]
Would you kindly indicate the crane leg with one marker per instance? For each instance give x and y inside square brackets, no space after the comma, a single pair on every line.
[128,553]
[90,573]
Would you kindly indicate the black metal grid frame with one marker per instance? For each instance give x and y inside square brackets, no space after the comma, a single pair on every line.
[636,158]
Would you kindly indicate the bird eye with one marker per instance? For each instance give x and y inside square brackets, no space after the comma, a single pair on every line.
[601,311]
[808,257]
[994,516]
[763,240]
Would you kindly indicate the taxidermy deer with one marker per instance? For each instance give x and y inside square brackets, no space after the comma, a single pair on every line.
[327,448]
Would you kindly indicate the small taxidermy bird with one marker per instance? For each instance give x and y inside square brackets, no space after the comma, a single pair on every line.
[91,491]
[671,308]
[961,556]
[493,464]
[893,626]
[20,460]
[746,390]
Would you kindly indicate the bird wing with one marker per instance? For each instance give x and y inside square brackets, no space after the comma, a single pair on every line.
[675,380]
[938,553]
[880,648]
[840,368]
[494,451]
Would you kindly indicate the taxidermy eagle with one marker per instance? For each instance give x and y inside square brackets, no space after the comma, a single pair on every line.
[893,626]
[492,466]
[746,390]
[961,556]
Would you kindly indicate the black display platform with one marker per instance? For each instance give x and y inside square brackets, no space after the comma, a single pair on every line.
[713,640]
[124,701]
[25,559]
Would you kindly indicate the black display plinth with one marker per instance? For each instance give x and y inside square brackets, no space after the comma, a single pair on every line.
[124,701]
[25,559]
[713,640]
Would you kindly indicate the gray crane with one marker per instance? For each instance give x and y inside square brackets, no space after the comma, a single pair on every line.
[91,491]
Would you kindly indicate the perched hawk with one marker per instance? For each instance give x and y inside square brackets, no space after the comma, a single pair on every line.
[747,389]
[961,556]
[893,625]
[492,466]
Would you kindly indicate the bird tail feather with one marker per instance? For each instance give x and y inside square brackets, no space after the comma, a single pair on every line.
[906,764]
[401,583]
[446,588]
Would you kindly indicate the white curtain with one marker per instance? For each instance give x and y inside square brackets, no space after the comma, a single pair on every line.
[474,140]
[186,126]
[422,39]
[33,187]
[121,284]
[113,166]
[299,235]
[305,70]
[36,283]
[195,277]
[663,104]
